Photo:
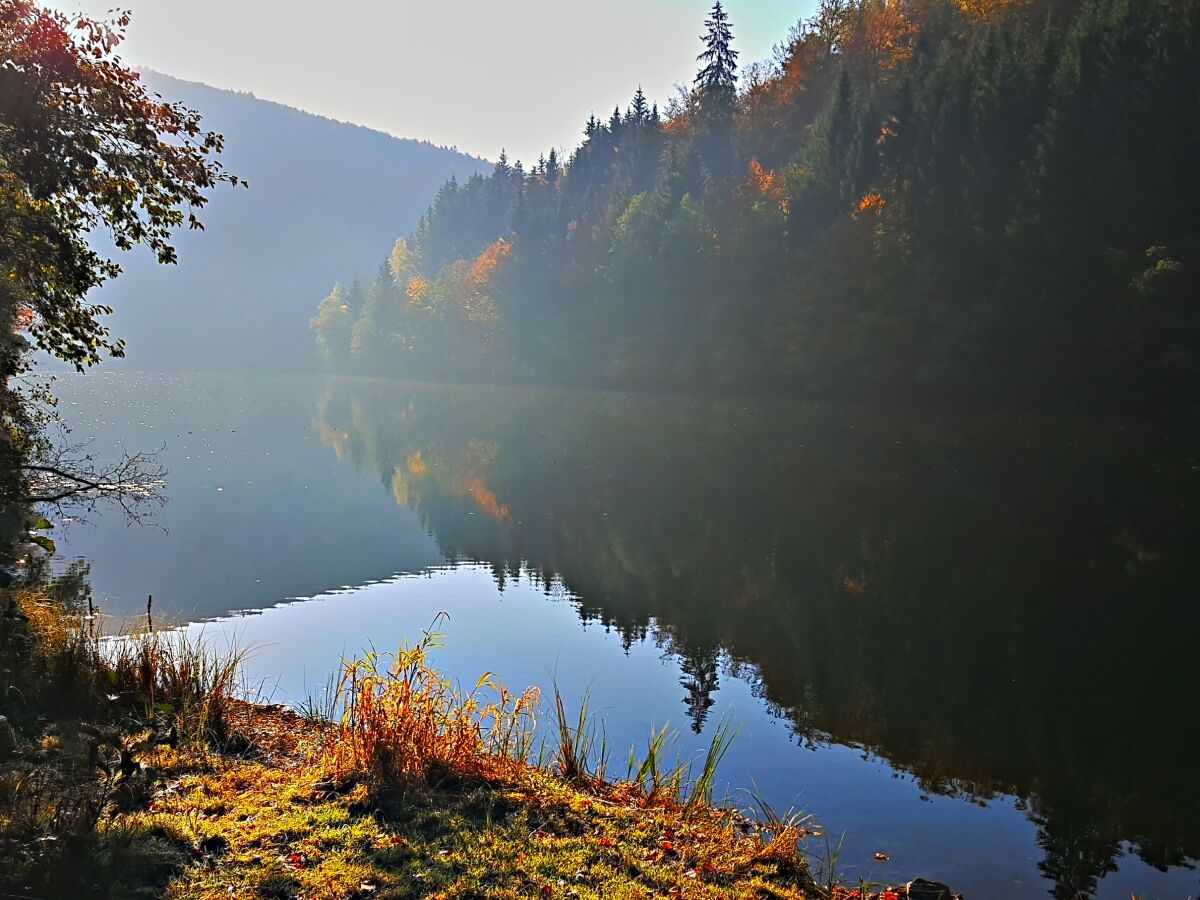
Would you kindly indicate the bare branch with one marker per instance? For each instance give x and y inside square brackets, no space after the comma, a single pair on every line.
[67,478]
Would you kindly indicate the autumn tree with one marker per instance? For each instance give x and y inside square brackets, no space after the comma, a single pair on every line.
[333,326]
[84,147]
[968,197]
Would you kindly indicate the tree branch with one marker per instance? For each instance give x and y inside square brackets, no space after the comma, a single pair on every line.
[65,477]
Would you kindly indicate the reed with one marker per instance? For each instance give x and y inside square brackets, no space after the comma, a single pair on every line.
[577,742]
[652,775]
[701,788]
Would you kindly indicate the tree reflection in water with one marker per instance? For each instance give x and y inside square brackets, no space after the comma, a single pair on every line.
[996,605]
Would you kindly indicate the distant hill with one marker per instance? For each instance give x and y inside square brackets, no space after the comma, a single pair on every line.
[326,198]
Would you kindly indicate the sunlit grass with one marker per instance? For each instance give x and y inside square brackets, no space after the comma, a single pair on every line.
[400,783]
[403,720]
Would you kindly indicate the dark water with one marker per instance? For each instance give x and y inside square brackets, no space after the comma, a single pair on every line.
[965,642]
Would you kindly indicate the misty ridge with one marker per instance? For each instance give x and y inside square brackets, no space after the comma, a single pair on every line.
[323,196]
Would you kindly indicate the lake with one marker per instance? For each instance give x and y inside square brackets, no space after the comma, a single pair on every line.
[961,641]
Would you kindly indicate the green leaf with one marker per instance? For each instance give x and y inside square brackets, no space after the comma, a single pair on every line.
[44,542]
[43,525]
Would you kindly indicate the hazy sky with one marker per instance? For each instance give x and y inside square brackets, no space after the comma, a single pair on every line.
[473,74]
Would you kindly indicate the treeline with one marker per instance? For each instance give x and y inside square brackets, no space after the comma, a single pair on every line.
[954,197]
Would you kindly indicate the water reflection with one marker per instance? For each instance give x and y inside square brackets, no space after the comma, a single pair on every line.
[997,606]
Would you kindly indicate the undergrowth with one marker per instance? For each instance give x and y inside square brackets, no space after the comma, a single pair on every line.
[79,718]
[137,770]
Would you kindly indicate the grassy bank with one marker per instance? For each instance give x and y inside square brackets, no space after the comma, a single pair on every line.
[131,769]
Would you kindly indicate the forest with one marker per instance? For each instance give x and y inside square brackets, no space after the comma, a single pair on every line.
[976,199]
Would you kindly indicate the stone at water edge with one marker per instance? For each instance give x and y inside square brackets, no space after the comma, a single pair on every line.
[8,738]
[923,889]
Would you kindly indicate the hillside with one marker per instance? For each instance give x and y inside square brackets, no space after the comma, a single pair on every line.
[324,197]
[984,200]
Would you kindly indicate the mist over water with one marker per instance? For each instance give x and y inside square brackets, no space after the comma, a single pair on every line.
[945,636]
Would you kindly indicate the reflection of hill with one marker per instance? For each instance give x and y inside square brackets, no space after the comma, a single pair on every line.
[989,605]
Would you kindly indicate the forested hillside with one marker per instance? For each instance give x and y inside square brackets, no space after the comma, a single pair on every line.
[323,196]
[947,197]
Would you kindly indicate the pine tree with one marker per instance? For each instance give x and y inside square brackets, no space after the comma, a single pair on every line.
[640,110]
[716,87]
[503,170]
[717,81]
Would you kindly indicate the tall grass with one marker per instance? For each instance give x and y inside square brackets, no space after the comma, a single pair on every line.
[58,662]
[701,788]
[176,676]
[675,782]
[577,742]
[403,721]
[653,776]
[107,702]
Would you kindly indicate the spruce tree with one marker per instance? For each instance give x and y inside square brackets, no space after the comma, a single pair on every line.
[503,169]
[717,81]
[716,88]
[640,110]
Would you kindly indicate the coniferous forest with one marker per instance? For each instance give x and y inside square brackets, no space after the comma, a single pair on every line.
[976,199]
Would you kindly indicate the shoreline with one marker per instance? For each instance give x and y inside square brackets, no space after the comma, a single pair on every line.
[156,780]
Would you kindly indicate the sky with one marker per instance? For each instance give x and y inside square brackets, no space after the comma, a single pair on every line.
[477,75]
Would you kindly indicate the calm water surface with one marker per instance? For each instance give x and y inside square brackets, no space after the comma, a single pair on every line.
[966,643]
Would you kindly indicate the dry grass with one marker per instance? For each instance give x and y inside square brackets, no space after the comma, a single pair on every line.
[55,662]
[172,677]
[83,715]
[403,720]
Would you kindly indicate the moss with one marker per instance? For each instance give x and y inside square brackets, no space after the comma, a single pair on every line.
[286,830]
